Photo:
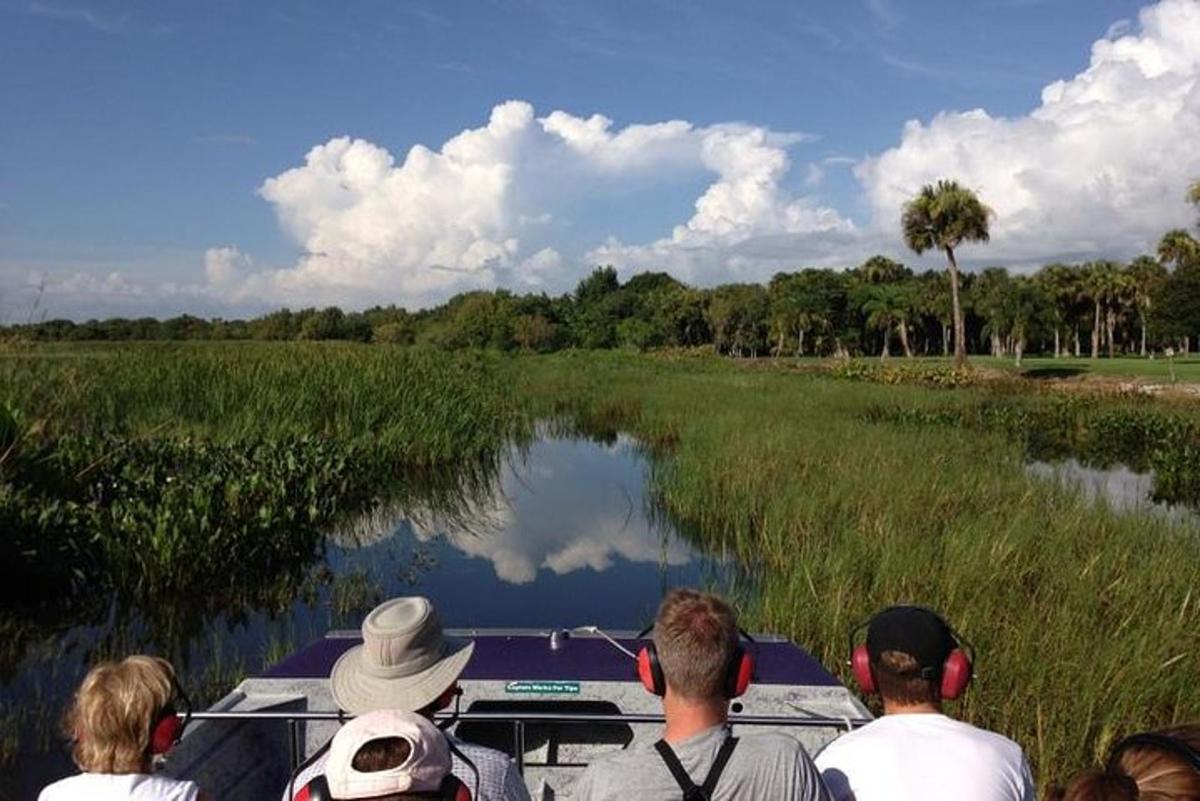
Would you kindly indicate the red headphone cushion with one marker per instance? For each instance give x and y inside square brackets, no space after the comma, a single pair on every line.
[956,674]
[647,662]
[860,665]
[455,790]
[742,673]
[166,733]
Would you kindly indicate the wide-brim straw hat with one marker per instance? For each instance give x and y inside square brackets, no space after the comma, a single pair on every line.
[405,661]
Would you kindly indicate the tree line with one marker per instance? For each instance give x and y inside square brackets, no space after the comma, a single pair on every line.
[879,307]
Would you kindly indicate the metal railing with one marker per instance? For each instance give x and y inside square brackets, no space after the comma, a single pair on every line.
[519,721]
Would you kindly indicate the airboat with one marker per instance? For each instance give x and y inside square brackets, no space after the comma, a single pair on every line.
[553,700]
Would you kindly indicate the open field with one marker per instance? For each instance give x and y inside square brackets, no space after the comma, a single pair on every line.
[841,496]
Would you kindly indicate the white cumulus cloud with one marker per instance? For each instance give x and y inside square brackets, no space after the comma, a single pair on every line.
[1098,168]
[473,214]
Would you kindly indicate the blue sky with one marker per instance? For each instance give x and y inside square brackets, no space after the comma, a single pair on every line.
[135,137]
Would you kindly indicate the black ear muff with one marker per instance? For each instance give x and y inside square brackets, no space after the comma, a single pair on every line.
[649,670]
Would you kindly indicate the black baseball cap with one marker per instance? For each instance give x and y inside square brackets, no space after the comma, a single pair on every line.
[911,630]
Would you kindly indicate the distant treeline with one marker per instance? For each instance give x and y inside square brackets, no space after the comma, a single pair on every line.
[1091,309]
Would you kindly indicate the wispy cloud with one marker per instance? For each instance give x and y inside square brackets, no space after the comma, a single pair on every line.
[908,65]
[81,16]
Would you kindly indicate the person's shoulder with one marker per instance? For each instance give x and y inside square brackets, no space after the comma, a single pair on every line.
[606,773]
[771,743]
[481,755]
[849,741]
[995,741]
[157,787]
[59,789]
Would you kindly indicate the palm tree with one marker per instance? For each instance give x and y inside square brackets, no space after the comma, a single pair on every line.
[1179,248]
[1029,306]
[1097,283]
[1147,277]
[1061,285]
[1193,194]
[889,305]
[942,216]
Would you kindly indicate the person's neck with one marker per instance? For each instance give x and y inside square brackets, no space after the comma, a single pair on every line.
[923,708]
[687,717]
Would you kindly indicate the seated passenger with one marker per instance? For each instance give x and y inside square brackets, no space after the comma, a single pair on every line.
[913,659]
[123,716]
[390,756]
[696,664]
[1162,765]
[406,663]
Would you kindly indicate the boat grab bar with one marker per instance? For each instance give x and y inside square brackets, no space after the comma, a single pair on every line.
[542,717]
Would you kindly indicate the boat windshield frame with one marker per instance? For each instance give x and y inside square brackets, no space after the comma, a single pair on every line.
[518,721]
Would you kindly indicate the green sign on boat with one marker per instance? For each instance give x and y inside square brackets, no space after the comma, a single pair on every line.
[543,687]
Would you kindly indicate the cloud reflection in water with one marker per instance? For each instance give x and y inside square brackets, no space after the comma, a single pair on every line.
[564,506]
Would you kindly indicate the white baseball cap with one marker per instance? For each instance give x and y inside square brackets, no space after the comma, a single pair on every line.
[424,770]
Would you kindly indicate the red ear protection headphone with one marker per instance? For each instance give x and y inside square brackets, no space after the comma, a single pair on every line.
[167,728]
[452,789]
[955,672]
[1155,740]
[739,670]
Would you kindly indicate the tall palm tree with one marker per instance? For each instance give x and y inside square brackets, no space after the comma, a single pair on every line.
[1178,248]
[1147,277]
[1102,284]
[942,216]
[1029,307]
[1059,283]
[889,305]
[1193,194]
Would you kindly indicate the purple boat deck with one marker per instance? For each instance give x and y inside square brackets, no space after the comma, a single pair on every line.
[507,657]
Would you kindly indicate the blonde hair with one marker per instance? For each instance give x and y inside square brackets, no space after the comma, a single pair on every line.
[115,710]
[1144,771]
[695,634]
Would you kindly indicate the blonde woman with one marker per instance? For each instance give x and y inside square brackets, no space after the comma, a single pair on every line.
[123,716]
[1156,766]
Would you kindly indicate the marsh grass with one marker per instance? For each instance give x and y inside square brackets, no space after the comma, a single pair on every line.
[1086,621]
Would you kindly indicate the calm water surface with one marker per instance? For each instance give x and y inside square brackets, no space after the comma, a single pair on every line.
[1123,489]
[565,535]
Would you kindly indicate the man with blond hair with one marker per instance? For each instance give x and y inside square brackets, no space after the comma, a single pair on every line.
[696,653]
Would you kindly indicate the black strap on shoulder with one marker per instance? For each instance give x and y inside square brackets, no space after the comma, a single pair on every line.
[690,791]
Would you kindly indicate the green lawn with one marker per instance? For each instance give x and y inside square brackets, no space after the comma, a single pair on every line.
[1187,370]
[1158,369]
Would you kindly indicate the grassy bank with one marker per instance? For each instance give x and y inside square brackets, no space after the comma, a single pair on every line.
[1086,622]
[844,496]
[215,469]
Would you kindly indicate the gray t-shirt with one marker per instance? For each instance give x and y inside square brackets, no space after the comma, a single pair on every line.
[769,765]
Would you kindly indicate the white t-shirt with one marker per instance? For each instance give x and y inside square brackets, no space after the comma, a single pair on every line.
[119,787]
[925,757]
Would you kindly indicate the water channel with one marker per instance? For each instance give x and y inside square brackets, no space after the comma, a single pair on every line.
[564,535]
[1121,488]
